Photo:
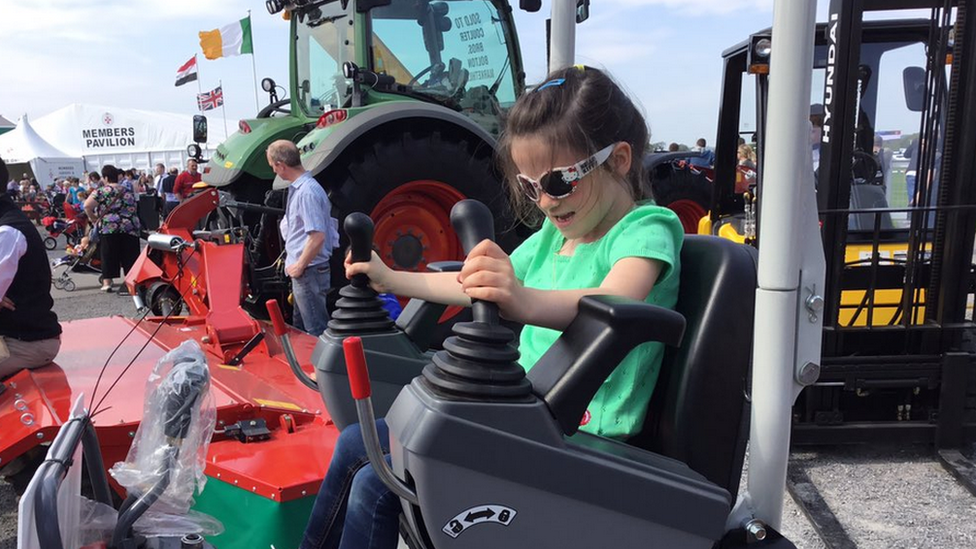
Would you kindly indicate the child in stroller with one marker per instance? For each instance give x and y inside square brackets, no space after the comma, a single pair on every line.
[81,258]
[72,229]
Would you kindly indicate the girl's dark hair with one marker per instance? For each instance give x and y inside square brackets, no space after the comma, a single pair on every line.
[581,109]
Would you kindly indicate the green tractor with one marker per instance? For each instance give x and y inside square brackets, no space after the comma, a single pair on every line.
[396,106]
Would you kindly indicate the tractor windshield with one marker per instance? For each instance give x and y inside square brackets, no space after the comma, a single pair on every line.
[324,41]
[450,49]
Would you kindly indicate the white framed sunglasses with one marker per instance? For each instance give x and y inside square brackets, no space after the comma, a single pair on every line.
[559,183]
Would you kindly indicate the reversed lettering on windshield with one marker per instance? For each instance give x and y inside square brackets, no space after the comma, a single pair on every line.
[472,34]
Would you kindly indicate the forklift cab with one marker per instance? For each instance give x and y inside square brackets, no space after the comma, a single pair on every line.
[887,119]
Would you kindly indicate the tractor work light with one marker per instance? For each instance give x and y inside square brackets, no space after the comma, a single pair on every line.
[274,6]
[331,117]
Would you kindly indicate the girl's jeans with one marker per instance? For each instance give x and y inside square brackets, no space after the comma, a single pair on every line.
[354,509]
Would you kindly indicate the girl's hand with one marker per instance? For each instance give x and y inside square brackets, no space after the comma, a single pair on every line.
[487,275]
[377,271]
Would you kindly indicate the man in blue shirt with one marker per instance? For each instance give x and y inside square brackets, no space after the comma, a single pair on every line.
[707,159]
[310,233]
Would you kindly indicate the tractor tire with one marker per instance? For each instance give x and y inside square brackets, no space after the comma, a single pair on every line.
[407,178]
[685,191]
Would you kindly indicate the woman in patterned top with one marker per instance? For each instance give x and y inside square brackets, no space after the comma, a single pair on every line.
[113,209]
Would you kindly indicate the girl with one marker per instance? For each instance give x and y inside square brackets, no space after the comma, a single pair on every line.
[572,153]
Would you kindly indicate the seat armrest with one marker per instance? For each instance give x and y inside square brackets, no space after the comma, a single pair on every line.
[418,319]
[606,328]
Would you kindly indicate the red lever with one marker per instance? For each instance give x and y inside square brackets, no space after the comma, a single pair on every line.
[278,321]
[356,366]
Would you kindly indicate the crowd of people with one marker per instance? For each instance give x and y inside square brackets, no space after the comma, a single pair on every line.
[105,204]
[170,183]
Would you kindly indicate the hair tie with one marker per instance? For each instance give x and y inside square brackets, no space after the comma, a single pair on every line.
[552,83]
[580,67]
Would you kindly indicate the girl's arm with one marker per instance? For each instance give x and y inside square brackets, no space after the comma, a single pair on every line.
[488,275]
[434,287]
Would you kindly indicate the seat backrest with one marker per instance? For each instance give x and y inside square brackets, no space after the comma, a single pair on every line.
[699,413]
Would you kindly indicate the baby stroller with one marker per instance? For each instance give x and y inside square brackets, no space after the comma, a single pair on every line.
[80,259]
[72,229]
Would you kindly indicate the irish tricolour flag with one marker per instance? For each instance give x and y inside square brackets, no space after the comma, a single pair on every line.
[234,39]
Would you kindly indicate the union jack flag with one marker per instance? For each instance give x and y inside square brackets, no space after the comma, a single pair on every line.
[211,99]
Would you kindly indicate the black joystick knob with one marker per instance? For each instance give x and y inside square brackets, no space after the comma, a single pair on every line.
[478,361]
[473,222]
[359,229]
[359,310]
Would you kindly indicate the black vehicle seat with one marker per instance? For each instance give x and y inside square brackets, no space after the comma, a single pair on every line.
[699,413]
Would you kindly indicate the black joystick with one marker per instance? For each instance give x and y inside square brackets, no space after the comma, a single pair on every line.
[478,361]
[359,310]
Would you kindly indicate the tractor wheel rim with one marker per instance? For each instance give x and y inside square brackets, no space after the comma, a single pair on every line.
[689,213]
[411,225]
[411,228]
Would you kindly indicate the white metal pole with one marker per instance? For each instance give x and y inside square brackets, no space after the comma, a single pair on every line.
[223,107]
[199,89]
[787,187]
[562,46]
[254,68]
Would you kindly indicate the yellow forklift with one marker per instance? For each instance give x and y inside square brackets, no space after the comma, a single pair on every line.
[893,152]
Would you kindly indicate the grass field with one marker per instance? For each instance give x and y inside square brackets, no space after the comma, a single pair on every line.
[897,193]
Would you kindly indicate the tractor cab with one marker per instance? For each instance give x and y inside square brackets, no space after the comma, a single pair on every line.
[455,53]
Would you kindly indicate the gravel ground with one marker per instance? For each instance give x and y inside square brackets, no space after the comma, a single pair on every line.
[885,497]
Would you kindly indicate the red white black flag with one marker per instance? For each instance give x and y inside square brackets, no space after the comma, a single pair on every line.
[211,99]
[188,72]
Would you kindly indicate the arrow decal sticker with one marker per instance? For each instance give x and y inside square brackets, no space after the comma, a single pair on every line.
[479,514]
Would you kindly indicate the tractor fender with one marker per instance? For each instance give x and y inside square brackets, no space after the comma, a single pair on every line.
[243,154]
[347,133]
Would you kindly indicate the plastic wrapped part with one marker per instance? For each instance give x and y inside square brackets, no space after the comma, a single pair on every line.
[97,522]
[170,445]
[156,524]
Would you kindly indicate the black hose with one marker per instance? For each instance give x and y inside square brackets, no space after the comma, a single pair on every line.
[133,511]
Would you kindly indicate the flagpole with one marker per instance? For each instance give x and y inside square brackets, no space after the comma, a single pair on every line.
[254,69]
[199,89]
[223,106]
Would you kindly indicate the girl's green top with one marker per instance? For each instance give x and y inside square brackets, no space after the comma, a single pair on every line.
[619,407]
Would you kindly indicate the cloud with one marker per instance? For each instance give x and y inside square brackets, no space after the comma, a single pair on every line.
[101,20]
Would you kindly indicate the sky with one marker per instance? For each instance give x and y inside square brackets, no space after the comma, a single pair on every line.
[125,53]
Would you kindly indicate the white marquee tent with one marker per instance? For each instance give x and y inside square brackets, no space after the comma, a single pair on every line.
[126,138]
[23,145]
[5,125]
